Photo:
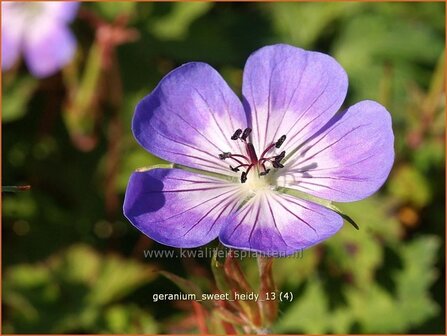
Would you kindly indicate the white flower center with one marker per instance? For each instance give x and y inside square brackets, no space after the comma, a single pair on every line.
[256,183]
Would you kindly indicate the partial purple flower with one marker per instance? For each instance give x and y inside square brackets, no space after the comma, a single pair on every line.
[240,162]
[39,31]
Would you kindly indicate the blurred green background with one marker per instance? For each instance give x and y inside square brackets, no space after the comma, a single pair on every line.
[73,264]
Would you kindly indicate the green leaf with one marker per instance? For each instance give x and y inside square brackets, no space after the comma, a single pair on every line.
[16,97]
[374,309]
[345,217]
[315,17]
[411,304]
[409,185]
[110,12]
[128,319]
[369,43]
[370,308]
[175,25]
[81,111]
[185,285]
[308,314]
[217,267]
[373,215]
[20,205]
[117,278]
[301,265]
[137,159]
[360,253]
[415,279]
[70,291]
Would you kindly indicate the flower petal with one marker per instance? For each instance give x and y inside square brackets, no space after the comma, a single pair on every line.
[48,48]
[13,28]
[347,160]
[190,117]
[279,225]
[178,208]
[10,48]
[62,11]
[291,91]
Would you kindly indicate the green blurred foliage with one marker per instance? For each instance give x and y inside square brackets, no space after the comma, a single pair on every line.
[77,290]
[175,25]
[16,96]
[73,264]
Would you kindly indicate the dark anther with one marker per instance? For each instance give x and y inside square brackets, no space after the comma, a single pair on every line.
[280,141]
[277,164]
[234,169]
[236,134]
[243,177]
[246,133]
[224,155]
[264,172]
[279,157]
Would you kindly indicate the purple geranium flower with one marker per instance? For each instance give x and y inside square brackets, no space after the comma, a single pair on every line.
[246,159]
[39,30]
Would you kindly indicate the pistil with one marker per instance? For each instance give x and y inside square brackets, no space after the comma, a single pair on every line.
[251,158]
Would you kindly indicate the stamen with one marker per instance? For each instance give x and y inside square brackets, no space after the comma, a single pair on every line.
[245,174]
[267,150]
[280,141]
[246,134]
[236,134]
[239,155]
[251,158]
[228,155]
[238,161]
[264,160]
[265,172]
[224,155]
[236,169]
[280,156]
[277,164]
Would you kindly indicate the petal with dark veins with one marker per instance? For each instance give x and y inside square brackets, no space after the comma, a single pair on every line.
[347,160]
[178,208]
[189,119]
[290,91]
[279,225]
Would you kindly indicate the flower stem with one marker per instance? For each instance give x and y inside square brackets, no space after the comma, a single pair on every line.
[268,302]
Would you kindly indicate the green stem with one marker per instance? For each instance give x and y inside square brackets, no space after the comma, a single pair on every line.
[16,188]
[268,302]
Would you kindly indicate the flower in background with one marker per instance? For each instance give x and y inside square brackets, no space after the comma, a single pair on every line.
[40,31]
[247,159]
